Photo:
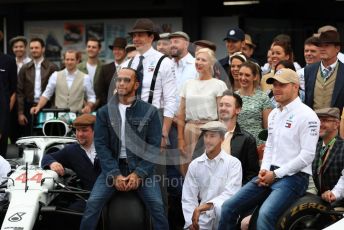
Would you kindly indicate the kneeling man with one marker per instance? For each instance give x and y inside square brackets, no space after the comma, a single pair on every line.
[211,179]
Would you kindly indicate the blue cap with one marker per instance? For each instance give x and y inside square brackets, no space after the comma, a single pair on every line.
[235,34]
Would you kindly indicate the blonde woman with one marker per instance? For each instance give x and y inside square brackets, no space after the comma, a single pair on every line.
[198,104]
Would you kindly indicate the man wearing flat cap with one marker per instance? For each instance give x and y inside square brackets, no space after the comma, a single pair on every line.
[293,132]
[81,156]
[163,45]
[108,71]
[211,179]
[324,82]
[328,163]
[18,45]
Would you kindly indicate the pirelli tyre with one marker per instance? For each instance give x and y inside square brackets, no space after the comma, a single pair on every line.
[306,213]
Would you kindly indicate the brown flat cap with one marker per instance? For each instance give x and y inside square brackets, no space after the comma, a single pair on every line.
[214,126]
[17,39]
[331,112]
[206,44]
[84,120]
[119,43]
[144,25]
[329,37]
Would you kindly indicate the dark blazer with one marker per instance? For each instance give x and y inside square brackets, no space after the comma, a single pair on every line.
[8,82]
[310,79]
[26,81]
[333,166]
[102,85]
[75,158]
[243,147]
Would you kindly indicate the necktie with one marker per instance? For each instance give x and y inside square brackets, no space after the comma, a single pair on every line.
[139,71]
[326,72]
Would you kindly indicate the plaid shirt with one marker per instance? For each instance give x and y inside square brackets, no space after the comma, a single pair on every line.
[333,166]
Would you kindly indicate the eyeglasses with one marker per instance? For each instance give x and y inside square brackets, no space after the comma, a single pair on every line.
[327,120]
[124,79]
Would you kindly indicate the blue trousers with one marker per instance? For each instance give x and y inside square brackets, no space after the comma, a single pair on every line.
[274,201]
[101,193]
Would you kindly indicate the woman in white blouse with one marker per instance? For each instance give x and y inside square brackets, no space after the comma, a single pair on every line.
[198,104]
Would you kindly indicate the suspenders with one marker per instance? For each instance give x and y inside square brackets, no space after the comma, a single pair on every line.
[155,75]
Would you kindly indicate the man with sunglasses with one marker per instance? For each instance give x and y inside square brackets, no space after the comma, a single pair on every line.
[127,140]
[329,157]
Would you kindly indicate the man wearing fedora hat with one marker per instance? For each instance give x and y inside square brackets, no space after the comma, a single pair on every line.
[324,82]
[107,72]
[160,89]
[249,46]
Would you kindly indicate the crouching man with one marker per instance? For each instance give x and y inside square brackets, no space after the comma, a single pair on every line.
[127,139]
[211,179]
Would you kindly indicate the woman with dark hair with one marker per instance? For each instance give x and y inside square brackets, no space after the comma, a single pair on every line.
[280,50]
[256,104]
[236,60]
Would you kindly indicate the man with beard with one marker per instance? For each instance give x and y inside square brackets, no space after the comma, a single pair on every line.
[211,179]
[126,129]
[92,65]
[238,142]
[33,78]
[290,148]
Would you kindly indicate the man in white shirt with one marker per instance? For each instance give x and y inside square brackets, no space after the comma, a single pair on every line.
[163,95]
[92,65]
[211,179]
[293,132]
[69,85]
[33,78]
[18,45]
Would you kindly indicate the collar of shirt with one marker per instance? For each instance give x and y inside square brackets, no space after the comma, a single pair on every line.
[187,59]
[91,152]
[71,73]
[333,66]
[38,62]
[292,105]
[204,157]
[147,53]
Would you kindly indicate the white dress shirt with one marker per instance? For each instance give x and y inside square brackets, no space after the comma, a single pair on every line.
[21,63]
[338,190]
[185,70]
[165,87]
[293,134]
[38,81]
[210,181]
[88,87]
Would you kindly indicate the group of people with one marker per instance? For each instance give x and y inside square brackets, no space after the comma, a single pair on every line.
[200,117]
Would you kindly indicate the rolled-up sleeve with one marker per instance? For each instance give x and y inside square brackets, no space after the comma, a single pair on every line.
[50,89]
[169,87]
[91,96]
